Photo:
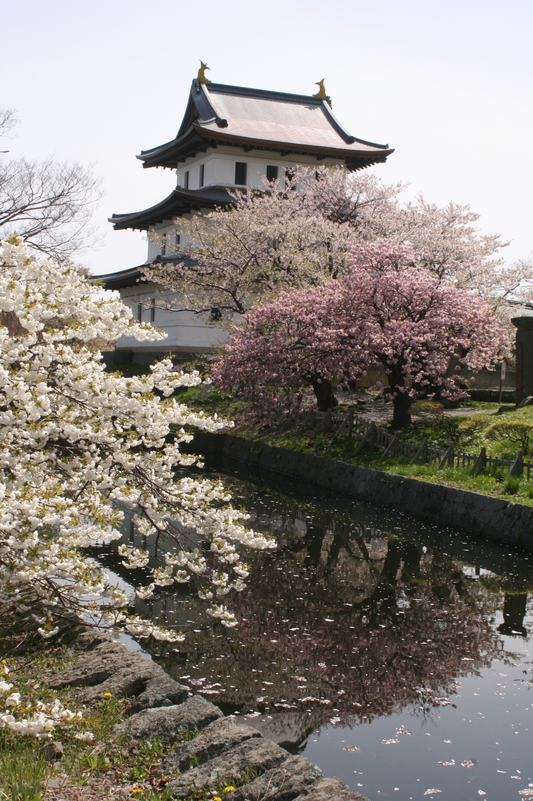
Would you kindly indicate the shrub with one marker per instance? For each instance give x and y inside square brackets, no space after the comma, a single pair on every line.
[512,484]
[511,430]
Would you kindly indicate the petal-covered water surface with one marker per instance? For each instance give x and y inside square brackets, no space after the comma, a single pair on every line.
[394,654]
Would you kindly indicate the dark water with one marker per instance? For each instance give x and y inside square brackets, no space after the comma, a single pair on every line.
[395,655]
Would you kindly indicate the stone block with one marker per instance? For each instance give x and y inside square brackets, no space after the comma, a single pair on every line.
[221,735]
[254,756]
[330,790]
[111,668]
[168,722]
[284,783]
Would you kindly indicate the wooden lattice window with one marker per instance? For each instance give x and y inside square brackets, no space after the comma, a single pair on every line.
[240,173]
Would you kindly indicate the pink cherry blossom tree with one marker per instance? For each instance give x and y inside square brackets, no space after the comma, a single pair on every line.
[389,310]
[421,329]
[296,341]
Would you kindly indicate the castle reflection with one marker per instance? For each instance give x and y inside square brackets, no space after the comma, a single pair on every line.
[354,616]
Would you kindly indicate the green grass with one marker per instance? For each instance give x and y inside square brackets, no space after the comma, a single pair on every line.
[467,427]
[24,768]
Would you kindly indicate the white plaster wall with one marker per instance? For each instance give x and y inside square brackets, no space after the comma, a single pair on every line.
[185,330]
[219,169]
[155,249]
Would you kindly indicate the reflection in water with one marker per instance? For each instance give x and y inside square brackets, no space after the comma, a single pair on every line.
[514,610]
[358,615]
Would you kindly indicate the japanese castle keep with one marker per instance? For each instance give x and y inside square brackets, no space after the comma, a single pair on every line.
[230,137]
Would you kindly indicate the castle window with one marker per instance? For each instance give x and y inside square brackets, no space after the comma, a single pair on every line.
[163,249]
[152,311]
[139,312]
[272,172]
[202,174]
[240,173]
[177,240]
[186,180]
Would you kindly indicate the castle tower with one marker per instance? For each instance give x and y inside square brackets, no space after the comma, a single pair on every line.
[230,137]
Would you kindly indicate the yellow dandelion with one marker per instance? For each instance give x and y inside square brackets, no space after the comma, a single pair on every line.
[217,798]
[108,695]
[229,789]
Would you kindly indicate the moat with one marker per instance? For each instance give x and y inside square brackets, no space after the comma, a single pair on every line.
[395,655]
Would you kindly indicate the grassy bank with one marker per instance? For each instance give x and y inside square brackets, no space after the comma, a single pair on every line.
[80,760]
[470,425]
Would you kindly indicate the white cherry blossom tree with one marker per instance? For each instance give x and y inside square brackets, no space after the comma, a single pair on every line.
[78,443]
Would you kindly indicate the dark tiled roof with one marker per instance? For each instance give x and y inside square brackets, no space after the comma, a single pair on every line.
[180,201]
[133,276]
[120,279]
[259,119]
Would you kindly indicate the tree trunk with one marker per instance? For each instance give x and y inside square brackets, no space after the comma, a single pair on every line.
[401,403]
[325,397]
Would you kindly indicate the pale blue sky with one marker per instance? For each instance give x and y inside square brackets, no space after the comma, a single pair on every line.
[448,84]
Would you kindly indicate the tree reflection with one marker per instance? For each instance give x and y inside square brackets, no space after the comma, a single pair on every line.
[514,610]
[341,623]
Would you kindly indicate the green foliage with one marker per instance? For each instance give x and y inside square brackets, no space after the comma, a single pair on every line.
[469,427]
[425,406]
[22,770]
[96,762]
[516,431]
[512,485]
[166,795]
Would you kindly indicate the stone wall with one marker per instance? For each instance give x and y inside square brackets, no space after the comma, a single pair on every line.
[492,518]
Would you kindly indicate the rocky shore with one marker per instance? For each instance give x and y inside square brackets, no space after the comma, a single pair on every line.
[212,749]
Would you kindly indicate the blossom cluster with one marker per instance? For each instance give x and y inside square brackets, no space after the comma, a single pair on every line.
[391,309]
[78,444]
[298,233]
[32,719]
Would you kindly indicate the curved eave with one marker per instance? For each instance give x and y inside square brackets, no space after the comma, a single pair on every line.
[169,154]
[120,280]
[134,275]
[370,155]
[179,202]
[199,139]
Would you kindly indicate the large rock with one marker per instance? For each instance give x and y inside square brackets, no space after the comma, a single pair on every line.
[252,757]
[287,729]
[280,784]
[169,722]
[111,668]
[219,736]
[330,790]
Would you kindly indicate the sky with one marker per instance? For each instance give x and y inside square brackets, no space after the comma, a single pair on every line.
[448,84]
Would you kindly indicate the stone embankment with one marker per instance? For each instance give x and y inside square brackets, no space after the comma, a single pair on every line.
[483,515]
[214,749]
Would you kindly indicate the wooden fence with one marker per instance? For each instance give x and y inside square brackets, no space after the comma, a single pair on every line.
[342,422]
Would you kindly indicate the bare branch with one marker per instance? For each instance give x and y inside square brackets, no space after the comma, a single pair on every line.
[48,204]
[8,121]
